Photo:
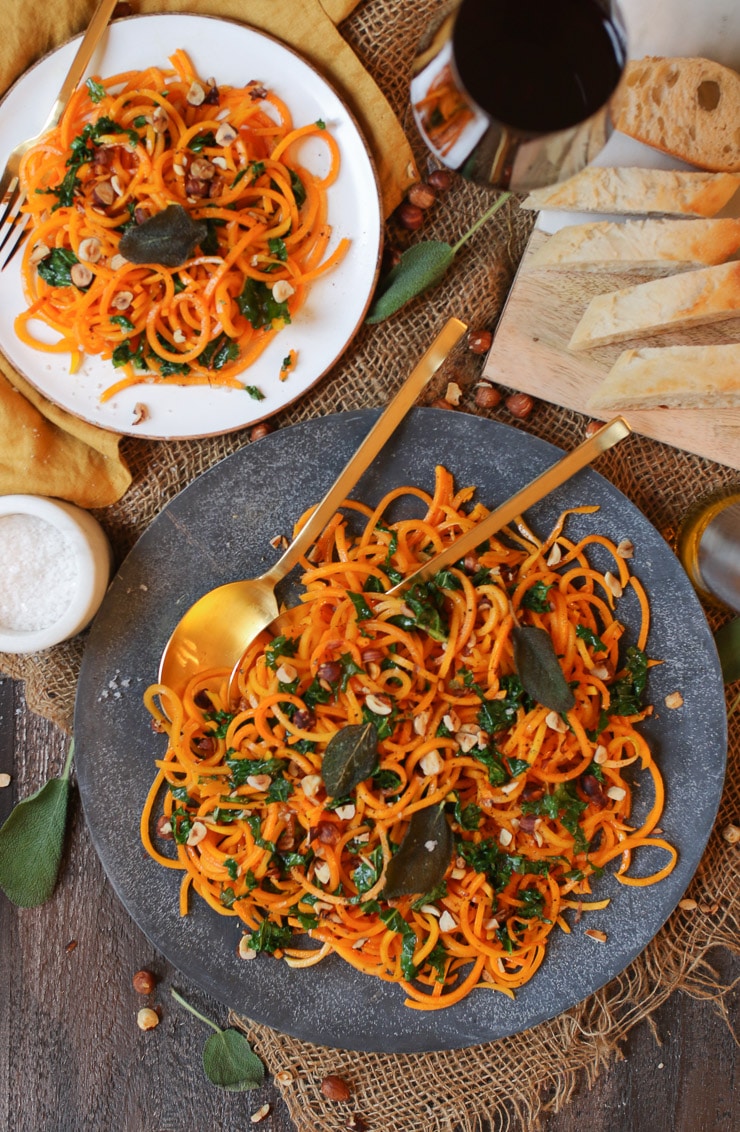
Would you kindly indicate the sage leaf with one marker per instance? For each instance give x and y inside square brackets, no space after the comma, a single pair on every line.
[539,670]
[727,640]
[31,842]
[420,267]
[169,238]
[228,1059]
[350,757]
[423,856]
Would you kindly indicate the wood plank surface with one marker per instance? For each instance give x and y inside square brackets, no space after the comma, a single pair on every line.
[530,353]
[73,1060]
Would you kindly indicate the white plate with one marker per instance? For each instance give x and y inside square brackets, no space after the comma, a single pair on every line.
[336,302]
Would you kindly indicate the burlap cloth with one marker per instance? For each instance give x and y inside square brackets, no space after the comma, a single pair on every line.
[515,1079]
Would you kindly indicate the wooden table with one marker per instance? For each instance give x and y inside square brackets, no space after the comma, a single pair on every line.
[73,1058]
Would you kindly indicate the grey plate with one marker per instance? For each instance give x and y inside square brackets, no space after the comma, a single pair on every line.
[219,529]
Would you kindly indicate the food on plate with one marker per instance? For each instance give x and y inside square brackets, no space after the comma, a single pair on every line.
[691,298]
[676,377]
[653,244]
[425,783]
[634,190]
[687,107]
[175,227]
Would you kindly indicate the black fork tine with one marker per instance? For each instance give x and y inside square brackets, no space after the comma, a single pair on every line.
[20,229]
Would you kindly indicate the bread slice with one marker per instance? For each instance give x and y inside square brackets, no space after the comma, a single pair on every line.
[627,189]
[675,377]
[630,244]
[688,107]
[710,294]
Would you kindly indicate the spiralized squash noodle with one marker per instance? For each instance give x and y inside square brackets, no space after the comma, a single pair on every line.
[127,148]
[537,802]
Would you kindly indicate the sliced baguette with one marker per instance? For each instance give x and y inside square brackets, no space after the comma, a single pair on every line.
[626,189]
[675,377]
[653,244]
[688,107]
[710,294]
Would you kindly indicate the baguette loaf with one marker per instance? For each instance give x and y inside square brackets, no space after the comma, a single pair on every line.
[689,108]
[639,243]
[710,294]
[676,377]
[627,189]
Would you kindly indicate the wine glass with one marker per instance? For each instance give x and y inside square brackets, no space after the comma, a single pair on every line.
[515,93]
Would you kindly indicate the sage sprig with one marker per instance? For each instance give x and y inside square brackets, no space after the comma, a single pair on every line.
[32,839]
[420,267]
[228,1059]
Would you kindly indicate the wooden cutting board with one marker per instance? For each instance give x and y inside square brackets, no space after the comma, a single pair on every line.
[530,353]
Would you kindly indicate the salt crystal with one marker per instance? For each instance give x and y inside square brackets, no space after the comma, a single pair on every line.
[38,573]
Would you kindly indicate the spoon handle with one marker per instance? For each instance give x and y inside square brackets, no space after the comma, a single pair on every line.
[383,428]
[546,482]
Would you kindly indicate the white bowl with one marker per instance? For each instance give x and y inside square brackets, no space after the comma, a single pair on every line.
[83,568]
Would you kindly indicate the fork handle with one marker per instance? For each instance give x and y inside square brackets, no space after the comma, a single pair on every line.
[90,41]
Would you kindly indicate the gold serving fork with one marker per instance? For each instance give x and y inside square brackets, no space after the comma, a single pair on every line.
[11,194]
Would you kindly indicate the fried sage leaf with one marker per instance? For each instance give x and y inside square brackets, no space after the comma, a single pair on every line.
[350,757]
[169,237]
[423,856]
[539,670]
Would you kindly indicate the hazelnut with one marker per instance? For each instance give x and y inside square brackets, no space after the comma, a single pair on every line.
[335,1088]
[391,258]
[479,341]
[164,828]
[410,216]
[147,1018]
[81,275]
[441,403]
[103,193]
[422,195]
[487,396]
[520,405]
[440,179]
[260,430]
[144,982]
[592,428]
[731,834]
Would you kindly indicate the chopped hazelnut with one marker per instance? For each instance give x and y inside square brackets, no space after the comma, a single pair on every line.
[4,780]
[674,700]
[260,1114]
[147,1018]
[594,933]
[196,94]
[731,834]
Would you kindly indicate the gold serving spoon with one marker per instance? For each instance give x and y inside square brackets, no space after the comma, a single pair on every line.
[218,628]
[607,436]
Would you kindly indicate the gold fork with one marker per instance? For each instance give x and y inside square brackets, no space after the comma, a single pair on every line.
[10,190]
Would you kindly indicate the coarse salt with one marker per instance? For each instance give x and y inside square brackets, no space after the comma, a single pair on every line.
[38,573]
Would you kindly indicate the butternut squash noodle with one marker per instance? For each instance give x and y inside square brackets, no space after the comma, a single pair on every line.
[533,802]
[252,227]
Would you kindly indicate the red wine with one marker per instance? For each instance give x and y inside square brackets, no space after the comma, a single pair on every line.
[537,66]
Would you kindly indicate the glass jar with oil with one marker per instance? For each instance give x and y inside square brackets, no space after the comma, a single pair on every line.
[708,546]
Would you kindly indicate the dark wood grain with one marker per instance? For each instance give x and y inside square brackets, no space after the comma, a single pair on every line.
[72,1056]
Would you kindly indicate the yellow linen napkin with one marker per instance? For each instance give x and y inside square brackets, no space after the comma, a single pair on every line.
[46,451]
